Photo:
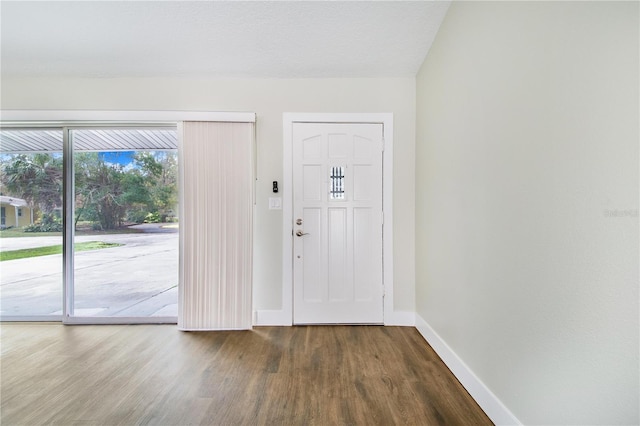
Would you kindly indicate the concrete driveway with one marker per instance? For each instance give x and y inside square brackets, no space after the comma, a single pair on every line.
[138,278]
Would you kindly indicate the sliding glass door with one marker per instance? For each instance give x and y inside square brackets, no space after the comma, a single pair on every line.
[111,194]
[125,222]
[31,230]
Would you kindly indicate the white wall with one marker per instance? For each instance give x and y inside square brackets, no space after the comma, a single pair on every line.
[269,98]
[527,204]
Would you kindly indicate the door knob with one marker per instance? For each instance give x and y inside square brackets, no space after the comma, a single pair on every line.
[299,233]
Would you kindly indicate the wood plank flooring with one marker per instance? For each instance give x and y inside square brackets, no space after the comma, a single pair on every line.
[157,375]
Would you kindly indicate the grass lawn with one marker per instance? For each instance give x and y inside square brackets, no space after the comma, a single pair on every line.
[19,232]
[47,250]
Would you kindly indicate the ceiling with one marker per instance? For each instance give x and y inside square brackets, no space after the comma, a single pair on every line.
[263,39]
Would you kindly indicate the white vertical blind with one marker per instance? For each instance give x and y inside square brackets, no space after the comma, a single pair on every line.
[216,226]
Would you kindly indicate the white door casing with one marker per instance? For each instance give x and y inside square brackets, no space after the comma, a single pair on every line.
[337,223]
[283,315]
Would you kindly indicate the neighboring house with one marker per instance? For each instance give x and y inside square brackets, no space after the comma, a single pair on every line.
[15,212]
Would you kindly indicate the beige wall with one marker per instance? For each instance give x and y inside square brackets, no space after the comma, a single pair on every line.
[269,98]
[527,204]
[10,218]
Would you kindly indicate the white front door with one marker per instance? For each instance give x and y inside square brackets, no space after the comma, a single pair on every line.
[337,223]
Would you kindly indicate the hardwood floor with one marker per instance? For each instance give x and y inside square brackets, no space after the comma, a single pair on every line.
[155,374]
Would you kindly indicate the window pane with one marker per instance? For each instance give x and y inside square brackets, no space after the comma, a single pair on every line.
[31,222]
[126,225]
[336,182]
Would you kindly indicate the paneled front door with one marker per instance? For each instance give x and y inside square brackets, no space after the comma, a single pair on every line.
[337,216]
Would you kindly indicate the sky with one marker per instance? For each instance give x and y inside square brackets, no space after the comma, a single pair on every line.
[123,158]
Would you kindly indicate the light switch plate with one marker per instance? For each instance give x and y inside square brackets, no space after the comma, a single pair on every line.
[275,203]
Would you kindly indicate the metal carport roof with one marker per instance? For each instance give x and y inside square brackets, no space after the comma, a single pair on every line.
[50,140]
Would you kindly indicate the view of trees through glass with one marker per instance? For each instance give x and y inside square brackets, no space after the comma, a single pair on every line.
[31,200]
[117,188]
[37,179]
[125,220]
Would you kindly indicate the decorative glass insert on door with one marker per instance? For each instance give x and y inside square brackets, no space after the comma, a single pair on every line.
[336,190]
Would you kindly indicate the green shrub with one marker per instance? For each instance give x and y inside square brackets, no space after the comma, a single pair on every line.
[152,218]
[137,216]
[44,227]
[49,223]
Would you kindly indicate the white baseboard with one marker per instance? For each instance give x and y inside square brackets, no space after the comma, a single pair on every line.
[492,406]
[274,318]
[403,318]
[282,318]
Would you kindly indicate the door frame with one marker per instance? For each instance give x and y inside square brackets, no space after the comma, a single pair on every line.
[386,119]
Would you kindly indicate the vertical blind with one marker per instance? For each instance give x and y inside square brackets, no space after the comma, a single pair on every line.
[216,221]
